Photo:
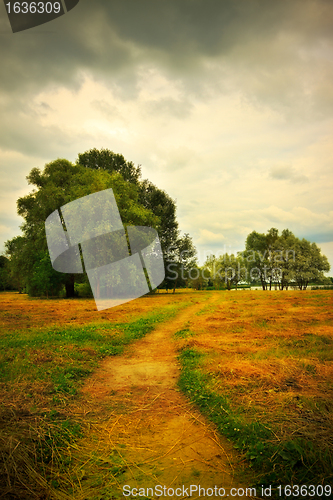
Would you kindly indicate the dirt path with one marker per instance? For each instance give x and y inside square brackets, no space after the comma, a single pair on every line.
[135,402]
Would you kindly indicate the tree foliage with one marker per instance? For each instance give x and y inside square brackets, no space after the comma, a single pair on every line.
[140,203]
[160,203]
[17,250]
[226,270]
[281,260]
[284,259]
[5,281]
[59,183]
[180,261]
[104,159]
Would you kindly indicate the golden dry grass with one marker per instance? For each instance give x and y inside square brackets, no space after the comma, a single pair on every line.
[21,312]
[272,354]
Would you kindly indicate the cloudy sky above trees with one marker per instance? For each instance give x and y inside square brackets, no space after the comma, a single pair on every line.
[226,104]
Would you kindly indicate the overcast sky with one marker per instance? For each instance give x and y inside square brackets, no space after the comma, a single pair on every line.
[226,104]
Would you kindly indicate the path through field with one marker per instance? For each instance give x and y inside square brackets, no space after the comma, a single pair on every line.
[135,408]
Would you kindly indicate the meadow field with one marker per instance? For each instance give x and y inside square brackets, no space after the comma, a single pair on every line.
[256,366]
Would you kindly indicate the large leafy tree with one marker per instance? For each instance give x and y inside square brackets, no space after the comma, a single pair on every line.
[160,203]
[309,264]
[256,255]
[59,183]
[19,261]
[139,201]
[284,254]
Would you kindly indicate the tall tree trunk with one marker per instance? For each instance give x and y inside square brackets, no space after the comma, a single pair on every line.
[70,287]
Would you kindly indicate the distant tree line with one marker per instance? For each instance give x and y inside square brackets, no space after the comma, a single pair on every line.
[26,265]
[272,259]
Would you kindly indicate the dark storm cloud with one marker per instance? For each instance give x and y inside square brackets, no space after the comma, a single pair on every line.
[110,38]
[34,58]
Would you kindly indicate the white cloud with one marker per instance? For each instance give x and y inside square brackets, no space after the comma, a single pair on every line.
[208,237]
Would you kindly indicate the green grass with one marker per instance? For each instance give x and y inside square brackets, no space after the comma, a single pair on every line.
[183,334]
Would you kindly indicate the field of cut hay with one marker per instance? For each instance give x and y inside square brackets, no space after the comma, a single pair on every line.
[259,365]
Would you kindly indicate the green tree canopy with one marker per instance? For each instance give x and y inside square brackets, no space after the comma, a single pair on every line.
[104,159]
[59,183]
[283,259]
[160,203]
[149,196]
[308,264]
[272,258]
[140,203]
